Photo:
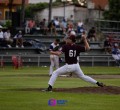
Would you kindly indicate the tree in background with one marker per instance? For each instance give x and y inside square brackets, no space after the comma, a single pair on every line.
[22,12]
[10,8]
[58,0]
[114,10]
[50,10]
[32,8]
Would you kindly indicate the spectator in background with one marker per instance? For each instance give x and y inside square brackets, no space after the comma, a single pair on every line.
[43,26]
[80,23]
[57,25]
[107,46]
[64,26]
[31,25]
[70,28]
[116,53]
[92,34]
[72,32]
[19,39]
[84,34]
[42,23]
[51,27]
[27,27]
[7,38]
[71,18]
[80,28]
[1,34]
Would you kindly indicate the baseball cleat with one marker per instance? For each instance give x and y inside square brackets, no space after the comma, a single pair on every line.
[100,84]
[47,90]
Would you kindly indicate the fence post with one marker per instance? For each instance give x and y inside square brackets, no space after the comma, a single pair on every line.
[92,61]
[38,61]
[2,62]
[108,61]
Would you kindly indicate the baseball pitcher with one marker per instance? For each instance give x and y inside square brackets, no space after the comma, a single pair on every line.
[71,52]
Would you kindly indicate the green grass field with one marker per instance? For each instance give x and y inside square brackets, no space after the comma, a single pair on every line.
[13,98]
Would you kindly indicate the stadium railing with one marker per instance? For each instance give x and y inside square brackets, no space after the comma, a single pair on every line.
[43,60]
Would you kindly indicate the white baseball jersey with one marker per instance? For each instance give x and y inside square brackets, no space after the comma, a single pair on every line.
[116,53]
[54,59]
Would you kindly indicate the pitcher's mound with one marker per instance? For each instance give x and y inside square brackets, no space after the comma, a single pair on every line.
[97,90]
[100,90]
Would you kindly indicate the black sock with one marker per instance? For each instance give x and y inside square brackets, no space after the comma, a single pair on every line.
[100,84]
[97,83]
[50,87]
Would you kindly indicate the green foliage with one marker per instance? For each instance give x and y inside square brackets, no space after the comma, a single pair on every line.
[8,24]
[58,0]
[74,1]
[31,9]
[114,12]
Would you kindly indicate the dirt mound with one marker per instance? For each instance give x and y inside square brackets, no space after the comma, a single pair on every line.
[97,90]
[100,90]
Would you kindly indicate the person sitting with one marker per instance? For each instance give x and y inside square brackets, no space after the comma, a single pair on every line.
[7,38]
[70,28]
[31,25]
[80,28]
[116,53]
[27,28]
[92,34]
[19,39]
[57,23]
[107,46]
[64,26]
[43,26]
[69,33]
[51,27]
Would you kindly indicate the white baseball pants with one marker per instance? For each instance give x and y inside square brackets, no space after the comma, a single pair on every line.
[116,56]
[73,68]
[54,59]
